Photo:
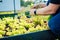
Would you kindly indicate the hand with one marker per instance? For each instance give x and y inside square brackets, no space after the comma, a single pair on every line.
[32,11]
[39,6]
[35,7]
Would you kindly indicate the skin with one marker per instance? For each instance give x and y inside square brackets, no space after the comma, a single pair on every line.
[39,6]
[50,9]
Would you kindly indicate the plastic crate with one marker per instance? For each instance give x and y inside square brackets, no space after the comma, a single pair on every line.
[40,35]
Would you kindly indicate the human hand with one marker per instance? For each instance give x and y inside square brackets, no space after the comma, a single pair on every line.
[35,6]
[39,6]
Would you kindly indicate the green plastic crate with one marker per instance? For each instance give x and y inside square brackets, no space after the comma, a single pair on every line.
[40,35]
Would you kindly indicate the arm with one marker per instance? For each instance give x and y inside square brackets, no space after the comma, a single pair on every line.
[50,9]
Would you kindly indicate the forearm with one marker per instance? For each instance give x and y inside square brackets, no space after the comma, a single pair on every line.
[45,10]
[51,9]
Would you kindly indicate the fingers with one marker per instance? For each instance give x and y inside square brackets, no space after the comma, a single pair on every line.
[35,7]
[39,6]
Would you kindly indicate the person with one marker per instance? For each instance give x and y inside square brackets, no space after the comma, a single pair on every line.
[53,9]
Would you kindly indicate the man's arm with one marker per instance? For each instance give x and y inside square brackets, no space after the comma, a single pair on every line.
[50,9]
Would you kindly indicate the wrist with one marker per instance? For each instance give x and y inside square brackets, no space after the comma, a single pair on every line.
[35,12]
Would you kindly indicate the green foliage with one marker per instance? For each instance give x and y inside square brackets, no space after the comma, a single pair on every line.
[25,3]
